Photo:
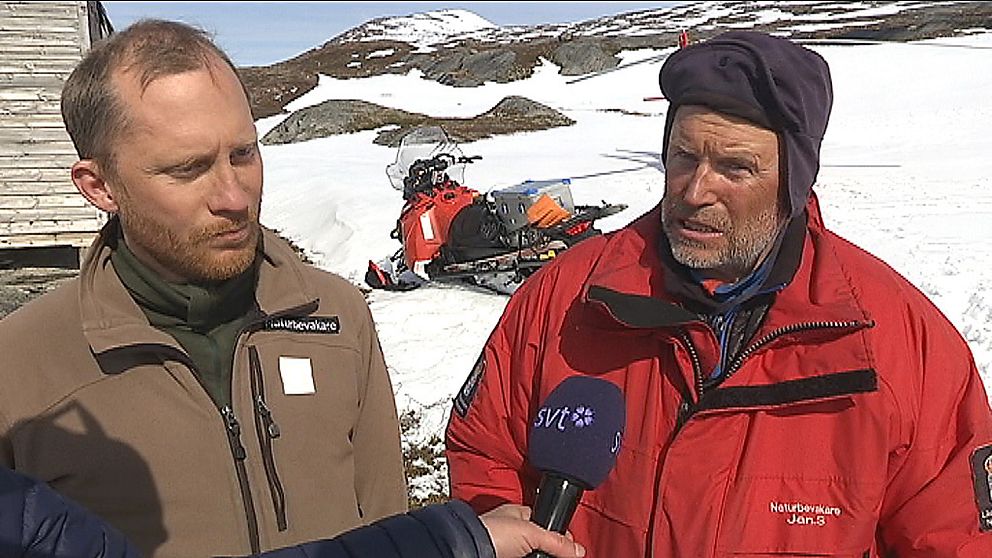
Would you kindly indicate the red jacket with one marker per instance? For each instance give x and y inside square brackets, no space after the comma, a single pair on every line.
[851,427]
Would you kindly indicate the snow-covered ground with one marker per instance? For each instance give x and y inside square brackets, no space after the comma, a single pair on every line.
[906,174]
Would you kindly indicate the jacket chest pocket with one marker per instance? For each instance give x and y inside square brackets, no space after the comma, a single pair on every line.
[795,516]
[308,382]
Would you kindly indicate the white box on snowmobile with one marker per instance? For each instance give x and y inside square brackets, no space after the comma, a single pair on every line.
[512,203]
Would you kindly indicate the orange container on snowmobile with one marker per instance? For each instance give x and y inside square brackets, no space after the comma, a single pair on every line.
[425,222]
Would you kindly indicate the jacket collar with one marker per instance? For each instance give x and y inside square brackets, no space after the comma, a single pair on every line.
[628,285]
[111,319]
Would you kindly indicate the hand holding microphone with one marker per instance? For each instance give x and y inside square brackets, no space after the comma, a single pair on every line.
[574,441]
[514,536]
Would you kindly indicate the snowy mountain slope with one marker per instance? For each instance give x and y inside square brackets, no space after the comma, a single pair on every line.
[460,48]
[421,30]
[450,27]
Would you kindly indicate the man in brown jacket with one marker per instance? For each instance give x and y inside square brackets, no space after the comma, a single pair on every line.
[197,385]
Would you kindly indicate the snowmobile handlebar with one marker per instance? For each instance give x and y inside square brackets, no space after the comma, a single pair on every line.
[426,174]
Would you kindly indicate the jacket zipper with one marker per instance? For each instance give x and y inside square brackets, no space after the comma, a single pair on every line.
[234,433]
[267,430]
[234,430]
[785,330]
[687,408]
[238,450]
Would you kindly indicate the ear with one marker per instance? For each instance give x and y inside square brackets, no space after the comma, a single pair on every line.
[91,183]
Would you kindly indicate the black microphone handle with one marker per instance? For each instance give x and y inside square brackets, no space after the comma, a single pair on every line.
[557,498]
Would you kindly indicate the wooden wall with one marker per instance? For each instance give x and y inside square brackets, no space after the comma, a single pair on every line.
[40,44]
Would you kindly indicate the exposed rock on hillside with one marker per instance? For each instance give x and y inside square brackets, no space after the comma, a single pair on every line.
[584,56]
[272,87]
[512,114]
[463,68]
[335,117]
[501,54]
[18,286]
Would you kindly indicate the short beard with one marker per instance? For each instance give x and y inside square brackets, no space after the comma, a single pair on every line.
[189,256]
[746,245]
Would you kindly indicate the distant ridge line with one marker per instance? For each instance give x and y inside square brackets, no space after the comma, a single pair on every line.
[827,42]
[855,42]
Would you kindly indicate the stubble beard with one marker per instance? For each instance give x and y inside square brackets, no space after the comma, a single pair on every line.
[745,247]
[191,255]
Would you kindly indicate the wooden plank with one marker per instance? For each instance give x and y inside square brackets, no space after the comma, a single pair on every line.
[28,94]
[41,47]
[80,240]
[85,26]
[21,124]
[57,171]
[50,227]
[39,39]
[61,187]
[52,202]
[24,155]
[39,172]
[12,109]
[25,22]
[44,23]
[39,35]
[36,9]
[53,80]
[34,135]
[41,32]
[64,24]
[25,119]
[38,64]
[11,162]
[24,55]
[39,50]
[31,215]
[60,18]
[37,149]
[49,14]
[29,121]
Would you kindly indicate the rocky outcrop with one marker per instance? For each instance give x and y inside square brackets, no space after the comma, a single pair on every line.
[512,114]
[462,69]
[335,117]
[583,56]
[20,285]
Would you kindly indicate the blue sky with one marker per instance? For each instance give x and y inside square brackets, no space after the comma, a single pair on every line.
[259,33]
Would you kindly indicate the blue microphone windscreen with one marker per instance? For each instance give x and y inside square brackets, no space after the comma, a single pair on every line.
[578,429]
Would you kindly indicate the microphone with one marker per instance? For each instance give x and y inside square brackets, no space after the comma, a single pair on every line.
[574,441]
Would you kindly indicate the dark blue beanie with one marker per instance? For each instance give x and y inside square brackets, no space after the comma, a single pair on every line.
[767,80]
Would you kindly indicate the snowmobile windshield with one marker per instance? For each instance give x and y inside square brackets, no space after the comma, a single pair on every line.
[422,144]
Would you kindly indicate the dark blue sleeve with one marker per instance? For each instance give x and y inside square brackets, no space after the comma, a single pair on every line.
[450,530]
[37,522]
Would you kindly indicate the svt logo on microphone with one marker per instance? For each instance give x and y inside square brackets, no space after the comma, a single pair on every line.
[563,418]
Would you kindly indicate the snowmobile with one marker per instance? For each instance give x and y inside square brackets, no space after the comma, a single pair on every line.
[449,231]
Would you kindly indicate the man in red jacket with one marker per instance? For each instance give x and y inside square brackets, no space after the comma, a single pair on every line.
[787,393]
